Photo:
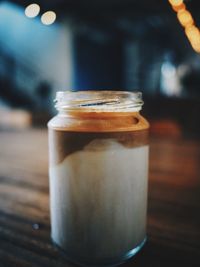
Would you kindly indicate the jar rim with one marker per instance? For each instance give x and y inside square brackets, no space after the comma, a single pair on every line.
[99,101]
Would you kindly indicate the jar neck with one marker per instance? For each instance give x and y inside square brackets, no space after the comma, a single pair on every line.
[105,103]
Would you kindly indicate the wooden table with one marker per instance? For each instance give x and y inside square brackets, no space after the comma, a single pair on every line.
[173,215]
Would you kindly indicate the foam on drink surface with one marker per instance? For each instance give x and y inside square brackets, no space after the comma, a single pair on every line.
[99,198]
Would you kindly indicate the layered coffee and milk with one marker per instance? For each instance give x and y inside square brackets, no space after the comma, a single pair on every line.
[98,189]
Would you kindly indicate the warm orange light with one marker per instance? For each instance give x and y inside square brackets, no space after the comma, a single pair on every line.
[176,2]
[185,18]
[196,46]
[195,41]
[179,8]
[192,32]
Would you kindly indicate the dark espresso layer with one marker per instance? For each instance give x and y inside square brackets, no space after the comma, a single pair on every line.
[63,143]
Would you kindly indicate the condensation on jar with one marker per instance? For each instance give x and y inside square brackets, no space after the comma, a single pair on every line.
[98,171]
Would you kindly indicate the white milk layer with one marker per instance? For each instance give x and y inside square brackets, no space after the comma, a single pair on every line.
[99,200]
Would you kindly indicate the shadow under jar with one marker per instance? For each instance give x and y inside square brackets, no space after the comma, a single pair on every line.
[98,148]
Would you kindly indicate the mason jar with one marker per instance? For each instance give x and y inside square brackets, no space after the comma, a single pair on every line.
[98,169]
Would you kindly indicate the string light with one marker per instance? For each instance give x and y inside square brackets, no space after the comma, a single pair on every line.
[176,2]
[192,32]
[179,8]
[32,10]
[186,20]
[193,35]
[196,46]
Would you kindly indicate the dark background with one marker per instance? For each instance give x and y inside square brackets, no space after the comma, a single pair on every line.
[99,44]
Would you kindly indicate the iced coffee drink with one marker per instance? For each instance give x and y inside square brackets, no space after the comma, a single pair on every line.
[98,146]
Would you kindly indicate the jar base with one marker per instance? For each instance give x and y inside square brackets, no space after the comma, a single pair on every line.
[103,263]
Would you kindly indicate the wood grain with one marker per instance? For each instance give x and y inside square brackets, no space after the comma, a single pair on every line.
[173,213]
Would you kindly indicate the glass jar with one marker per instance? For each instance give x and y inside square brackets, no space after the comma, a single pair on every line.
[98,147]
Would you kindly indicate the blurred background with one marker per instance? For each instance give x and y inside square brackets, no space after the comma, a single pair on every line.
[151,46]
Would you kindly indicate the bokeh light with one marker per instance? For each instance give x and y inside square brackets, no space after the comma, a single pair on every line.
[193,35]
[179,8]
[176,2]
[48,18]
[192,32]
[32,10]
[185,18]
[196,46]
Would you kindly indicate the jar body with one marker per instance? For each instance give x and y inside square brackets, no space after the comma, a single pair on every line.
[98,187]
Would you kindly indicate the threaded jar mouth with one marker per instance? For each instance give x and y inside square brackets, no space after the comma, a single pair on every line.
[99,101]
